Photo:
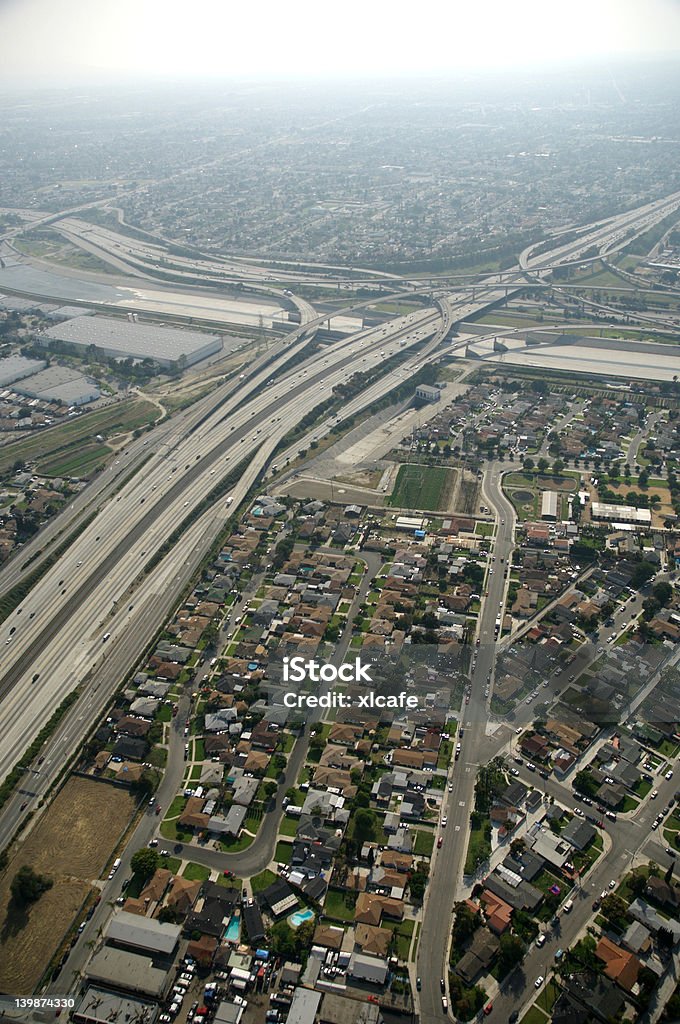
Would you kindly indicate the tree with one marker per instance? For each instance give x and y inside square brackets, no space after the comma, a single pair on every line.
[364,825]
[663,592]
[511,953]
[528,464]
[144,862]
[27,886]
[558,466]
[542,465]
[642,572]
[465,924]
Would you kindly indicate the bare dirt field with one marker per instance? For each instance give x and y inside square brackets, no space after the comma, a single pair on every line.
[71,844]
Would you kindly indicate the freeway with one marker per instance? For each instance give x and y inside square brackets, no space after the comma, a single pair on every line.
[91,613]
[101,570]
[121,537]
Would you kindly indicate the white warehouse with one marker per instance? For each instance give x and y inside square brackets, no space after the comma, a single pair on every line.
[123,339]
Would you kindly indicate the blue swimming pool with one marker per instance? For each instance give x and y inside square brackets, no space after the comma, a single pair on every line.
[299,917]
[233,932]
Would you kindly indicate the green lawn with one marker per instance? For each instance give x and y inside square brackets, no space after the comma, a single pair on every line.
[478,849]
[196,872]
[534,1016]
[424,844]
[484,529]
[422,487]
[232,845]
[259,883]
[283,852]
[339,905]
[228,883]
[288,826]
[170,864]
[629,803]
[176,807]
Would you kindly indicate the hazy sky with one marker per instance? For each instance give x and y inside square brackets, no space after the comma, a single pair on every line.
[67,40]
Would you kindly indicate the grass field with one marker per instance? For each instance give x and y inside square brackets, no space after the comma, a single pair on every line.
[115,419]
[423,487]
[72,848]
[81,460]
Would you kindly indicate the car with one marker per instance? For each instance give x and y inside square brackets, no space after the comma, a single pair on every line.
[419,984]
[559,953]
[514,771]
[596,903]
[540,941]
[518,760]
[518,730]
[487,1009]
[653,795]
[671,852]
[445,1004]
[655,825]
[669,774]
[539,981]
[531,767]
[439,842]
[612,884]
[450,787]
[444,821]
[603,894]
[442,985]
[579,812]
[24,805]
[514,1017]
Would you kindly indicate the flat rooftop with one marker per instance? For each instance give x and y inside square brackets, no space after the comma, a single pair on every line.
[138,340]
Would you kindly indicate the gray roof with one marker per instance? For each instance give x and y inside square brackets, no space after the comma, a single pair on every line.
[101,1007]
[15,367]
[143,932]
[139,340]
[579,833]
[304,1006]
[126,970]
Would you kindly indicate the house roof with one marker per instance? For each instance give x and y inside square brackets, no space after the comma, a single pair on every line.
[620,965]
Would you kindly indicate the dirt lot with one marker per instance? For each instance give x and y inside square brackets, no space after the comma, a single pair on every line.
[71,844]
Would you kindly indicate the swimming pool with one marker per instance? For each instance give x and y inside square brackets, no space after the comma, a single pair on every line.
[233,931]
[299,917]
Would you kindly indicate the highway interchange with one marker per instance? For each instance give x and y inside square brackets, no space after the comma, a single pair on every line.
[54,641]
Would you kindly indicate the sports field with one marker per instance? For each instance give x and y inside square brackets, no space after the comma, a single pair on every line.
[423,487]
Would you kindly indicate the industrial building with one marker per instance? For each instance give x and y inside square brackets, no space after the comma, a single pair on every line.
[549,500]
[14,368]
[304,1006]
[129,972]
[59,384]
[620,513]
[426,393]
[98,1006]
[125,339]
[136,932]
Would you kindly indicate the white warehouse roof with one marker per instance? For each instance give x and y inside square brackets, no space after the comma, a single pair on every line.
[143,932]
[620,513]
[123,339]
